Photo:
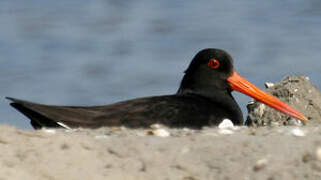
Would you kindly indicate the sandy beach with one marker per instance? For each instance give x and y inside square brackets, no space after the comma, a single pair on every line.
[119,153]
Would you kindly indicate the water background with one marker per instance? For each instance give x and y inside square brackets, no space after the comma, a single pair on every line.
[81,52]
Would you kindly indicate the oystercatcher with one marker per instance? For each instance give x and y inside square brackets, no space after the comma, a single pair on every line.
[204,98]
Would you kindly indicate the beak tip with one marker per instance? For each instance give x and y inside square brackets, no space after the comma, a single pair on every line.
[305,119]
[301,117]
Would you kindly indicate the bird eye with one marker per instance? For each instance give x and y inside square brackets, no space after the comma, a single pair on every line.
[213,63]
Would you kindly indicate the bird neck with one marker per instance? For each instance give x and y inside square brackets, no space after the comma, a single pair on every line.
[217,95]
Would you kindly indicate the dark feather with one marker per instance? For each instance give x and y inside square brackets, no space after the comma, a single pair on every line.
[173,111]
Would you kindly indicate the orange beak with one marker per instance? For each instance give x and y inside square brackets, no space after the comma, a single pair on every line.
[240,84]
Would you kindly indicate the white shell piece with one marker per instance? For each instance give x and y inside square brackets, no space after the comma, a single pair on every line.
[297,132]
[226,124]
[318,153]
[63,125]
[161,132]
[268,84]
[49,131]
[225,131]
[260,164]
[101,137]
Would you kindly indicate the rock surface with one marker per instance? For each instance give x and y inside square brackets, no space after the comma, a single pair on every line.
[296,91]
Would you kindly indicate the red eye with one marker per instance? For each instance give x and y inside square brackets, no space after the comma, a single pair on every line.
[213,63]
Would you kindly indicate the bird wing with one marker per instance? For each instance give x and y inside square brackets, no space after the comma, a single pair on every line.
[142,112]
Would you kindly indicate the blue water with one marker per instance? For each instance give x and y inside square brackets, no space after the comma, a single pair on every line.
[81,52]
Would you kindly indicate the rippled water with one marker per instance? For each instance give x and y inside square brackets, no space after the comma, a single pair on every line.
[81,52]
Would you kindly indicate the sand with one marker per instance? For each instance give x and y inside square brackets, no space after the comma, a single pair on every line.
[119,153]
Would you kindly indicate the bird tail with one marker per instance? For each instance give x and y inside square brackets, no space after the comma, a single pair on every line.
[38,120]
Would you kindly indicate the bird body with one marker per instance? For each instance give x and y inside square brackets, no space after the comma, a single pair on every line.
[171,110]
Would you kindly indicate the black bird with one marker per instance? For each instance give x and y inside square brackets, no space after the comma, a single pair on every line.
[203,98]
